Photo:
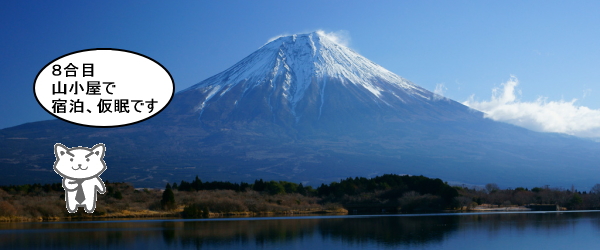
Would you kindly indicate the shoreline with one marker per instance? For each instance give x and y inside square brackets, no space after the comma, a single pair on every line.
[149,214]
[176,215]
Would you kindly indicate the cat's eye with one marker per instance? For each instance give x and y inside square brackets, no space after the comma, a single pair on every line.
[71,159]
[87,159]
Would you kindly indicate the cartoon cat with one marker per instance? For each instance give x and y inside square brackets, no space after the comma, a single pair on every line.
[80,168]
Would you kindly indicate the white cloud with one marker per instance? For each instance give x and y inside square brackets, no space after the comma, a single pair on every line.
[439,92]
[341,37]
[541,115]
[277,36]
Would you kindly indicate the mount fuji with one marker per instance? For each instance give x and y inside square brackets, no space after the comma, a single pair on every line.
[308,81]
[303,108]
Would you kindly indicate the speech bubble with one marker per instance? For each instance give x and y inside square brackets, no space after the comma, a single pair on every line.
[104,87]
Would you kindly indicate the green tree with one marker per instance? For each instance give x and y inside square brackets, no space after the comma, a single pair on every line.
[194,211]
[197,184]
[289,187]
[118,195]
[575,201]
[536,189]
[259,185]
[275,188]
[168,198]
[301,190]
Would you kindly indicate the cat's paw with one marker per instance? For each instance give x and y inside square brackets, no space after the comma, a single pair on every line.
[72,207]
[69,184]
[90,207]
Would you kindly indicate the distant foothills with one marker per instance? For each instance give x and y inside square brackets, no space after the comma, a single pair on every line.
[388,193]
[304,108]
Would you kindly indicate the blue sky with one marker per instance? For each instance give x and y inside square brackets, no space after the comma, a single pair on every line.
[546,50]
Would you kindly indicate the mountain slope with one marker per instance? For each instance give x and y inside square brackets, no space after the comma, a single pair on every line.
[307,80]
[302,108]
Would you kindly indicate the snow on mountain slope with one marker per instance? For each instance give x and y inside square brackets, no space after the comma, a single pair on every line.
[288,66]
[305,109]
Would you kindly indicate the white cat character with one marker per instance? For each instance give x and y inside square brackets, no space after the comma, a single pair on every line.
[80,168]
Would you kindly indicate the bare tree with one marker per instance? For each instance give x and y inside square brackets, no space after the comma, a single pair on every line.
[491,187]
[595,189]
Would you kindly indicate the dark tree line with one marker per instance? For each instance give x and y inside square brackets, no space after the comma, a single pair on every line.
[271,187]
[571,199]
[395,185]
[388,192]
[391,192]
[197,185]
[33,188]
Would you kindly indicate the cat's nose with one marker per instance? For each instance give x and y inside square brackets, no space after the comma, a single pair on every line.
[79,165]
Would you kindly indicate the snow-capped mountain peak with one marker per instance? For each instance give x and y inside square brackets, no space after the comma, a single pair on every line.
[289,65]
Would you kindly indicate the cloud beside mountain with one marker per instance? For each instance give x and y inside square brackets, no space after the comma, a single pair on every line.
[540,115]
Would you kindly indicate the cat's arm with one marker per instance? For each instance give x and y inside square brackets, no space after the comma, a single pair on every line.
[100,186]
[69,184]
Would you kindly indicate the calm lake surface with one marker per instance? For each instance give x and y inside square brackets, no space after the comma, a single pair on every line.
[532,230]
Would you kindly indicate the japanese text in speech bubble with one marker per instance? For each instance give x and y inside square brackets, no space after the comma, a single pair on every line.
[104,87]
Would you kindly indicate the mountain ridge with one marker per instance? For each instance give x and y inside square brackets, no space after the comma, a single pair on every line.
[291,118]
[296,78]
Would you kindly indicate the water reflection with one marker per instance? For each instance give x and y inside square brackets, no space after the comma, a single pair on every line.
[390,230]
[254,232]
[358,231]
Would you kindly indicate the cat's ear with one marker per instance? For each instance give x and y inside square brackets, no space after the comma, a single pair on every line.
[99,149]
[60,150]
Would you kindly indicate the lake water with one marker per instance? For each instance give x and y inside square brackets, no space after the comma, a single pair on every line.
[532,230]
